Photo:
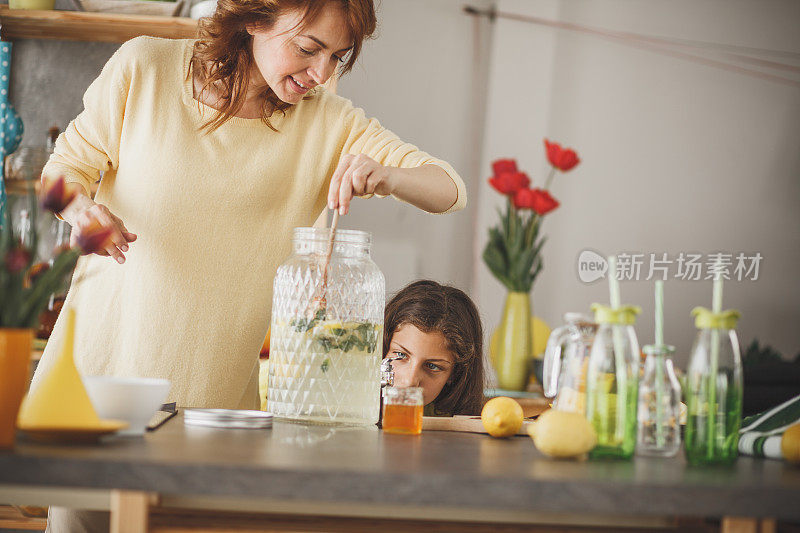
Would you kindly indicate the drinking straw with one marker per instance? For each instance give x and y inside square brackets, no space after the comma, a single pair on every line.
[659,355]
[659,312]
[619,353]
[716,307]
[613,284]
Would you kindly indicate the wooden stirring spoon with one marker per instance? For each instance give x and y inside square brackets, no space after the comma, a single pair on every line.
[321,301]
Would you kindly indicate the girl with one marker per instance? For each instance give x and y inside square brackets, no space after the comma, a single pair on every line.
[434,332]
[212,150]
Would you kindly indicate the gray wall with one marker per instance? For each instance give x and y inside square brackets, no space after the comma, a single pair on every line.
[677,156]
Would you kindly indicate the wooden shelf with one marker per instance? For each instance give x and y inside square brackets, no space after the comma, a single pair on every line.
[83,26]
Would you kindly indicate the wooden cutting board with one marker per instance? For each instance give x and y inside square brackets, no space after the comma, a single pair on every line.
[531,408]
[469,424]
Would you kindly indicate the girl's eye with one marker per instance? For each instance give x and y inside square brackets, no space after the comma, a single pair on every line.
[433,367]
[340,59]
[400,355]
[305,52]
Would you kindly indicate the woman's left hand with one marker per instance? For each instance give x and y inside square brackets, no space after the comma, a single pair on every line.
[358,175]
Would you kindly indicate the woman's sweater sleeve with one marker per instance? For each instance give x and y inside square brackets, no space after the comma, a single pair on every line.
[367,136]
[90,144]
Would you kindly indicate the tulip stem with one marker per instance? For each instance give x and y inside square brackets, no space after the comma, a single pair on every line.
[550,178]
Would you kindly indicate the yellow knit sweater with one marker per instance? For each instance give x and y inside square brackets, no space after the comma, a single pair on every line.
[213,212]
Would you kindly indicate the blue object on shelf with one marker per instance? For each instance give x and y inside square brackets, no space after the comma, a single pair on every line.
[10,124]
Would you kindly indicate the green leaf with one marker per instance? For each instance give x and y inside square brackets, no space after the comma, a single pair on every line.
[47,283]
[497,266]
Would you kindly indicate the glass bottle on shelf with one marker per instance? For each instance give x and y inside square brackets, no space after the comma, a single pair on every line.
[659,404]
[47,319]
[612,382]
[714,389]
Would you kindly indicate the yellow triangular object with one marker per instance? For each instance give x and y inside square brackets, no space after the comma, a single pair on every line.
[60,400]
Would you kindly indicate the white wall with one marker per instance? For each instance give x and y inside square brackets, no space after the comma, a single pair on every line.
[676,156]
[423,78]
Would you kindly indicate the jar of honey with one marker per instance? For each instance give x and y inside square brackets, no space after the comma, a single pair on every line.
[402,410]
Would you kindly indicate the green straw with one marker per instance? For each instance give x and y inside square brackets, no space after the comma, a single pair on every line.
[716,307]
[619,352]
[659,355]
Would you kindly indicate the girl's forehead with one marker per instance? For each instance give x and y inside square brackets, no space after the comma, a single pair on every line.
[429,344]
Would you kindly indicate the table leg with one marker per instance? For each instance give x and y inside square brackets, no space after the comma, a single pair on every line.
[129,511]
[737,524]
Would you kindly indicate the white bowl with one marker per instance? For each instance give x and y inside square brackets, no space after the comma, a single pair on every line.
[134,400]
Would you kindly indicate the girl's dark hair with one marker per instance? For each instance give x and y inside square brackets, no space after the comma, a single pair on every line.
[430,307]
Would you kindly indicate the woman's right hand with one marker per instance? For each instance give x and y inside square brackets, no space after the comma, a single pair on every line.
[88,217]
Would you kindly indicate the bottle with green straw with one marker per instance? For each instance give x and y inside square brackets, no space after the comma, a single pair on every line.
[613,375]
[714,386]
[658,415]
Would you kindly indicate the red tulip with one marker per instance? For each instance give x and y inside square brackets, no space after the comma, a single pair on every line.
[537,199]
[562,159]
[94,238]
[54,195]
[543,203]
[510,182]
[501,166]
[17,259]
[523,199]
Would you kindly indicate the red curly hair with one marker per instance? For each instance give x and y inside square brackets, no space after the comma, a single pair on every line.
[223,53]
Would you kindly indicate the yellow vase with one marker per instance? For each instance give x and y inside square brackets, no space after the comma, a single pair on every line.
[15,356]
[514,350]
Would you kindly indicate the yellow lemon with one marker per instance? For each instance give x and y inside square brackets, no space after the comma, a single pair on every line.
[562,434]
[790,444]
[501,417]
[540,332]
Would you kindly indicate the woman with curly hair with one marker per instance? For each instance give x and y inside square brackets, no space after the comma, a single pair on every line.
[212,150]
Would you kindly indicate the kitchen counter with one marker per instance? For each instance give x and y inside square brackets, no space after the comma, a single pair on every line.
[453,474]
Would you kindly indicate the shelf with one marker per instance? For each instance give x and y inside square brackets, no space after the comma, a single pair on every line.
[83,26]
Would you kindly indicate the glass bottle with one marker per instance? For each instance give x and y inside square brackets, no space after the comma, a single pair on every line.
[565,362]
[612,382]
[659,404]
[325,358]
[714,389]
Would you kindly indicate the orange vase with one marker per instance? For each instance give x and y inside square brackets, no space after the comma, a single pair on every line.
[15,356]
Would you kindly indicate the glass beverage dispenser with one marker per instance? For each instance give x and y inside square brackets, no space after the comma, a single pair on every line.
[327,335]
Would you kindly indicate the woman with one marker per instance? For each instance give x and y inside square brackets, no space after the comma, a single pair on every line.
[212,151]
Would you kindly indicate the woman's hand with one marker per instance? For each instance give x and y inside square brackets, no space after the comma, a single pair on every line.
[358,175]
[88,218]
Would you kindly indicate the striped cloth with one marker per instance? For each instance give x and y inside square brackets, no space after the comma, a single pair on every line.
[761,434]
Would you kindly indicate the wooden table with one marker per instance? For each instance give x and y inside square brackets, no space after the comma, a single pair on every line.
[333,478]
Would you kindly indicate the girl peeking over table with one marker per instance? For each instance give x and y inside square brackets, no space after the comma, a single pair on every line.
[434,334]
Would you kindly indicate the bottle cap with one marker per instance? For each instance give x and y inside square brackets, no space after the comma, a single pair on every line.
[707,319]
[624,314]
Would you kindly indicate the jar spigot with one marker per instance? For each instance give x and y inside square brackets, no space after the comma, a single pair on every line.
[387,372]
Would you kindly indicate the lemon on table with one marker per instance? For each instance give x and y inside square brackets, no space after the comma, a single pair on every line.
[790,444]
[501,417]
[562,434]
